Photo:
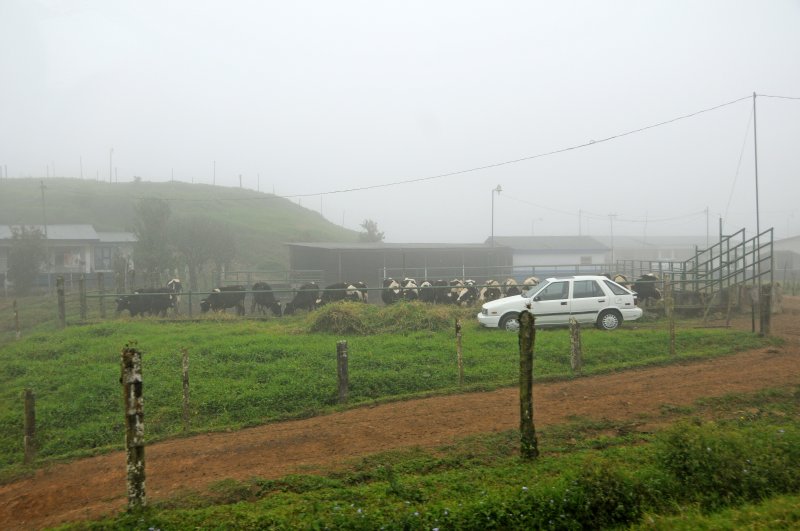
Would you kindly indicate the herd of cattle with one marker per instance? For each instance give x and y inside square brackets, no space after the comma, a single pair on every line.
[157,301]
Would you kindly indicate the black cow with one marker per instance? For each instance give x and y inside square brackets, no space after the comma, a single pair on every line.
[152,301]
[361,292]
[305,298]
[224,297]
[175,288]
[335,293]
[645,288]
[427,293]
[264,299]
[441,291]
[510,288]
[391,291]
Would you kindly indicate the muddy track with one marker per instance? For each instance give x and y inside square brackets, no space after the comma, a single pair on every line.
[93,487]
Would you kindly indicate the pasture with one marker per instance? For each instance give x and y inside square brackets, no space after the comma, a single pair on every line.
[248,372]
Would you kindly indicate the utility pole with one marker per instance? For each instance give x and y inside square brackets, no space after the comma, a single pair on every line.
[110,163]
[214,173]
[611,221]
[81,159]
[44,211]
[258,182]
[707,240]
[240,180]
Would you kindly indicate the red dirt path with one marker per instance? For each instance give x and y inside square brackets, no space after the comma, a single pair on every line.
[93,487]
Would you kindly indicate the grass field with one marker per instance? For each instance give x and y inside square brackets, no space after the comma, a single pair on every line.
[250,372]
[729,472]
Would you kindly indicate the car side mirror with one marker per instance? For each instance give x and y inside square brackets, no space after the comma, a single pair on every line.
[537,298]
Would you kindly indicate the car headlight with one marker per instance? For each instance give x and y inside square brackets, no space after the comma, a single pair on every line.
[484,311]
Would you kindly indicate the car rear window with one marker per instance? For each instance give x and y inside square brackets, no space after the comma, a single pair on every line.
[616,289]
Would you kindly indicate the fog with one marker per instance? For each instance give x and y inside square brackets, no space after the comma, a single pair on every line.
[308,98]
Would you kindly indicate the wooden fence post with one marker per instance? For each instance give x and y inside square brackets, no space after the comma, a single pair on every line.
[30,425]
[131,380]
[101,287]
[62,309]
[576,351]
[16,320]
[82,294]
[185,365]
[459,353]
[529,447]
[341,365]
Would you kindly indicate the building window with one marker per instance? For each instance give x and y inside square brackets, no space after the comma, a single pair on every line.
[102,258]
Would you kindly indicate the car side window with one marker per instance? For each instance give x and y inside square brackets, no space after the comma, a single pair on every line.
[615,288]
[584,289]
[555,291]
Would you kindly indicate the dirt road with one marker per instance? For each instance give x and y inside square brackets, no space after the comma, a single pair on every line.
[90,488]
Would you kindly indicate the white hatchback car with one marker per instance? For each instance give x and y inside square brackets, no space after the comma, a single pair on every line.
[588,298]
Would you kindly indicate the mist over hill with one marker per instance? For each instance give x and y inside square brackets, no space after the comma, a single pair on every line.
[262,222]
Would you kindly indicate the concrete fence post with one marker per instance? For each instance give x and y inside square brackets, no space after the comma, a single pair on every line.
[82,296]
[62,309]
[341,365]
[131,380]
[30,425]
[529,446]
[16,320]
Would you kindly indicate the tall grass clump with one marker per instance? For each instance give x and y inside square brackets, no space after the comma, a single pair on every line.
[399,318]
[720,467]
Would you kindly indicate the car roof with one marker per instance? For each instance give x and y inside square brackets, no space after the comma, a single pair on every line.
[579,277]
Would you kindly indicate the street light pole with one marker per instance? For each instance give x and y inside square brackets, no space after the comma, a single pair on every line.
[498,190]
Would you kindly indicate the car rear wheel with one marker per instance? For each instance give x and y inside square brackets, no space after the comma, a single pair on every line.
[510,322]
[609,320]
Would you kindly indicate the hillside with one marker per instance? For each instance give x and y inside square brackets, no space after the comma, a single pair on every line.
[262,222]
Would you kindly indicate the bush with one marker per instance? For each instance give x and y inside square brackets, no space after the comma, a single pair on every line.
[366,319]
[722,466]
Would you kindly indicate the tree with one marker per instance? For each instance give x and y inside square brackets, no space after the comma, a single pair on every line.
[198,240]
[151,223]
[26,257]
[371,233]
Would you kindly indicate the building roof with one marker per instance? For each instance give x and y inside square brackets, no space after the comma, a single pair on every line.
[58,232]
[383,246]
[788,244]
[551,243]
[658,242]
[117,237]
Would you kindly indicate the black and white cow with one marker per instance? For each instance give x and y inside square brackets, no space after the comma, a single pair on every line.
[264,299]
[410,289]
[175,288]
[224,297]
[456,286]
[305,298]
[468,294]
[529,282]
[491,291]
[151,301]
[510,288]
[358,292]
[391,291]
[645,288]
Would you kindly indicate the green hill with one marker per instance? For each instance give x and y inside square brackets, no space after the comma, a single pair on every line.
[262,222]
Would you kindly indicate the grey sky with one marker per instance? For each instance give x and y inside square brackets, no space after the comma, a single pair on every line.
[319,96]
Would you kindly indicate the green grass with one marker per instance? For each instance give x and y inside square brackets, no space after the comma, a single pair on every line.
[249,372]
[600,481]
[262,222]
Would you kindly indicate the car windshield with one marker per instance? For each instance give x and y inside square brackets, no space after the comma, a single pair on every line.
[536,289]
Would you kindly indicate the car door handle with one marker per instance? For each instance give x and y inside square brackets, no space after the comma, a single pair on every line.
[564,303]
[601,300]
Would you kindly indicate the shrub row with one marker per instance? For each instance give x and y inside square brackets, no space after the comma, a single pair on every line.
[708,466]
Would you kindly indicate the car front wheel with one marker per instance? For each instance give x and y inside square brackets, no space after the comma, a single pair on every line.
[510,322]
[609,320]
